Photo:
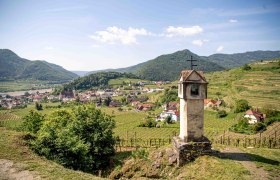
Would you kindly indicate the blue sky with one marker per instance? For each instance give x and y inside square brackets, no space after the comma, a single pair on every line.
[92,35]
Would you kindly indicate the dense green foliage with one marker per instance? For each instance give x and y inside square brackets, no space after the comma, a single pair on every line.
[241,105]
[148,122]
[80,138]
[169,96]
[244,127]
[96,80]
[221,114]
[38,106]
[13,67]
[246,67]
[33,122]
[168,67]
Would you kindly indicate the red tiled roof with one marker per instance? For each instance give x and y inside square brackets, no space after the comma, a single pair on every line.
[255,113]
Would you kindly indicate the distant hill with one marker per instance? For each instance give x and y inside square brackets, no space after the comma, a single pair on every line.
[13,67]
[239,59]
[80,73]
[100,79]
[168,67]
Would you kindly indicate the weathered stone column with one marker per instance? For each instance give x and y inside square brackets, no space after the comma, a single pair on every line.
[183,119]
[192,90]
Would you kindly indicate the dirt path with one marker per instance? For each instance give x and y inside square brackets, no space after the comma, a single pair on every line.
[11,171]
[241,157]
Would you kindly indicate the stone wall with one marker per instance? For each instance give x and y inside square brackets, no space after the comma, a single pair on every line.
[188,151]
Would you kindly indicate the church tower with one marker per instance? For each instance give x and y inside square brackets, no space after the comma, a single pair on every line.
[192,90]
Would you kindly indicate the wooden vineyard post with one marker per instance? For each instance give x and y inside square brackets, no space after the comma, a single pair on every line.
[224,137]
[135,141]
[275,139]
[126,139]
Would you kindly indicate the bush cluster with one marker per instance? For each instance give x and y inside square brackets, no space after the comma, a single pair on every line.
[81,138]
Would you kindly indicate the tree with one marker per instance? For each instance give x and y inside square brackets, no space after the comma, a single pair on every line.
[124,100]
[169,96]
[107,101]
[33,122]
[221,114]
[258,127]
[81,138]
[246,67]
[38,106]
[168,119]
[26,93]
[241,105]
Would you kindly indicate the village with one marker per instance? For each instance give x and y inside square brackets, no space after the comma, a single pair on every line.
[136,98]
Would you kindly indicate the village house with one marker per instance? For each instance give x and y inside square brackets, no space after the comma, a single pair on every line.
[115,104]
[141,83]
[135,103]
[212,103]
[171,106]
[145,107]
[254,116]
[174,114]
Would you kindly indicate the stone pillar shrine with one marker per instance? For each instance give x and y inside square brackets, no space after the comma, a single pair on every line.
[192,90]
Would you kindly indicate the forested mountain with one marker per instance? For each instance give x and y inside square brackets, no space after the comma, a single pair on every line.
[100,79]
[168,67]
[239,59]
[14,67]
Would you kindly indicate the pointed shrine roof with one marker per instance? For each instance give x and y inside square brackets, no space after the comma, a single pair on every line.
[186,73]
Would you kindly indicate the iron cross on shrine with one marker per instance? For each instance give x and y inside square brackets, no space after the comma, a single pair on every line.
[192,60]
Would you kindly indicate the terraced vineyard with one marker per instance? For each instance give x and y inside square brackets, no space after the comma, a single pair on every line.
[8,116]
[9,120]
[260,86]
[127,125]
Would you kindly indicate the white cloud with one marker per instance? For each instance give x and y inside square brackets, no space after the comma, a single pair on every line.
[49,48]
[233,21]
[220,48]
[95,46]
[183,31]
[114,35]
[199,42]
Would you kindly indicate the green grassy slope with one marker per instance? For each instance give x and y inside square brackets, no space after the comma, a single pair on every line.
[260,85]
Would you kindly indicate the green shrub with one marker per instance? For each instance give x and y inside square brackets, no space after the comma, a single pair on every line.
[141,154]
[149,122]
[168,120]
[259,126]
[221,114]
[242,127]
[33,122]
[241,105]
[246,67]
[80,138]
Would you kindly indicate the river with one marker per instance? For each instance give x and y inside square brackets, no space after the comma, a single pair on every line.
[18,93]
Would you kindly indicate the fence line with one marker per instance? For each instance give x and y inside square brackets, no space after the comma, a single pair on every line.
[269,141]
